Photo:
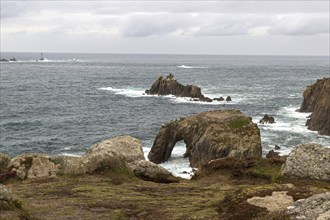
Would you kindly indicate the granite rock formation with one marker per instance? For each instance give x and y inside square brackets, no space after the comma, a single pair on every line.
[209,135]
[33,166]
[149,171]
[6,197]
[170,86]
[308,161]
[314,207]
[317,100]
[105,155]
[4,161]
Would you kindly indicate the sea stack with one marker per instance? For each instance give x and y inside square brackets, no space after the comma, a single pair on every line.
[170,86]
[317,100]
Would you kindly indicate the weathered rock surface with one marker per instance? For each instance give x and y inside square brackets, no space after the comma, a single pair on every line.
[170,86]
[209,135]
[149,171]
[317,100]
[106,154]
[267,120]
[315,207]
[308,161]
[4,161]
[6,196]
[33,166]
[276,202]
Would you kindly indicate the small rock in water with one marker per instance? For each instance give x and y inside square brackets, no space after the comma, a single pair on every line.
[228,99]
[277,147]
[267,120]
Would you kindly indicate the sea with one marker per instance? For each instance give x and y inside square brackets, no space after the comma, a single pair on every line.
[65,103]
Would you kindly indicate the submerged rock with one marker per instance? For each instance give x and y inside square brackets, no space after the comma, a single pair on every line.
[317,100]
[33,166]
[308,161]
[209,135]
[170,86]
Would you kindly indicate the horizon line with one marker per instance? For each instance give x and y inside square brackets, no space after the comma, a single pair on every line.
[170,54]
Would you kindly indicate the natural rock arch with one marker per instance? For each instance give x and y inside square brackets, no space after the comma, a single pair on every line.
[209,135]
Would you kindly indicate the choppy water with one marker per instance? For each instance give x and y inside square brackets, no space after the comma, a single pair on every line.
[69,101]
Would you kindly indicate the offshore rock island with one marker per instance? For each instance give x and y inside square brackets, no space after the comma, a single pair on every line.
[317,100]
[170,86]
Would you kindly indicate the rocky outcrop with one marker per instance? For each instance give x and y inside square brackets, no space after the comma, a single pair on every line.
[308,161]
[6,197]
[317,100]
[267,120]
[170,86]
[33,166]
[105,155]
[314,207]
[209,135]
[4,161]
[149,171]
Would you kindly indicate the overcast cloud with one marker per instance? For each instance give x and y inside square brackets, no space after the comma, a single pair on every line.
[229,27]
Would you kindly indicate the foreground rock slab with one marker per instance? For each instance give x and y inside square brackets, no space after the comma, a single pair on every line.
[308,161]
[277,201]
[209,135]
[317,100]
[314,207]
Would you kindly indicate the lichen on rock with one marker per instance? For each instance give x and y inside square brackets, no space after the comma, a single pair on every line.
[308,161]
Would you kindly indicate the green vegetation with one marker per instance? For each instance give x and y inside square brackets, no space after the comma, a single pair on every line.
[238,123]
[117,194]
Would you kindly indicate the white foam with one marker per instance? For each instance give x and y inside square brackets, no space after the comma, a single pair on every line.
[70,155]
[129,92]
[189,67]
[176,164]
[138,92]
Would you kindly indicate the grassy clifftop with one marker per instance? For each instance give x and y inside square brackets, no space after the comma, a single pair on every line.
[218,194]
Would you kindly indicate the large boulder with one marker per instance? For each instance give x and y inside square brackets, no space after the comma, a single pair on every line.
[149,171]
[170,86]
[317,100]
[106,154]
[308,161]
[209,135]
[314,207]
[33,166]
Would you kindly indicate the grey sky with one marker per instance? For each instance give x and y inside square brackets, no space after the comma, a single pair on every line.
[196,27]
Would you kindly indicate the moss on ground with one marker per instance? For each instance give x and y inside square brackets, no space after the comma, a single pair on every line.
[119,195]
